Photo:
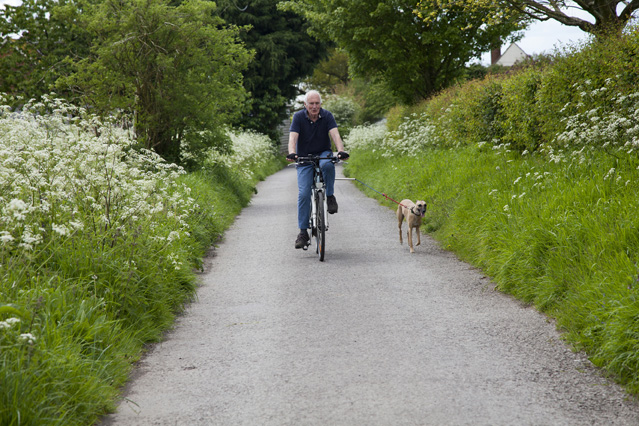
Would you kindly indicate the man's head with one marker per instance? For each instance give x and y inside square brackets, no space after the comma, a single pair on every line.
[313,102]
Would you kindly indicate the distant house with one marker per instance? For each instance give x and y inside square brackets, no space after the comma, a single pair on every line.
[512,55]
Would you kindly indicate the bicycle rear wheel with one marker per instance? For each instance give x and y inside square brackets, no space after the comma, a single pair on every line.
[321,227]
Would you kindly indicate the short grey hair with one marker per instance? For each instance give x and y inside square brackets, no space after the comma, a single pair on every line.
[312,92]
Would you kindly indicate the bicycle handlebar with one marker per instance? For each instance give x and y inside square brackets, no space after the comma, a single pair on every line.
[316,158]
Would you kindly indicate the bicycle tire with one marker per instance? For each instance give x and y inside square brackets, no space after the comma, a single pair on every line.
[321,227]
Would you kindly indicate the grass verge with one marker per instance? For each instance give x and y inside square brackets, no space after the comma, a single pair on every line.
[559,235]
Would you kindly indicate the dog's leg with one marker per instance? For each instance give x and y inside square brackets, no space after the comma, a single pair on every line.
[419,236]
[410,240]
[400,219]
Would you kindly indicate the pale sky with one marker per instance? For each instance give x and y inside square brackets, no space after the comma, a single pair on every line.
[545,37]
[541,37]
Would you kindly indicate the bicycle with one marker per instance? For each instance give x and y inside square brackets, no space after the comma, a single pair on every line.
[318,221]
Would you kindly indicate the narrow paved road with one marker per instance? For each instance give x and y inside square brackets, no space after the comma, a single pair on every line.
[372,336]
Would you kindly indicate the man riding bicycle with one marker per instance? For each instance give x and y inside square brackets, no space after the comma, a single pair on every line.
[310,134]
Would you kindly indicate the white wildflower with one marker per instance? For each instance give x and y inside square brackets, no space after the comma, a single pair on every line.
[9,322]
[28,337]
[76,225]
[6,237]
[18,208]
[60,229]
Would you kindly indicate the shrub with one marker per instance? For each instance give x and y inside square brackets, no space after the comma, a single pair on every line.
[345,110]
[518,111]
[369,137]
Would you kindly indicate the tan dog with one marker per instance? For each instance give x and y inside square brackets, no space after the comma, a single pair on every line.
[413,212]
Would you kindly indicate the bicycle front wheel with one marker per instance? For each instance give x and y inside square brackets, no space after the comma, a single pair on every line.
[321,227]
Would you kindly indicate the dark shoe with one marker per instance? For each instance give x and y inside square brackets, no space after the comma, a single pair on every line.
[331,204]
[302,240]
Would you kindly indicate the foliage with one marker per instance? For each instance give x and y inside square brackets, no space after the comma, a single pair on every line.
[176,70]
[605,16]
[173,67]
[387,39]
[345,110]
[374,98]
[284,54]
[49,37]
[600,59]
[330,73]
[606,120]
[251,152]
[518,111]
[530,105]
[98,242]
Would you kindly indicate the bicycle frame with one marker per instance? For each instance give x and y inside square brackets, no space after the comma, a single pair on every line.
[319,186]
[318,220]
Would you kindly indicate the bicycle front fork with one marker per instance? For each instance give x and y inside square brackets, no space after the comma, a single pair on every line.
[313,219]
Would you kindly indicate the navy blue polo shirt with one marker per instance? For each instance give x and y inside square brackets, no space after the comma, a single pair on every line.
[314,138]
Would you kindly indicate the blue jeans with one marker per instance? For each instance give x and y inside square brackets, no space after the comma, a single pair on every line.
[305,183]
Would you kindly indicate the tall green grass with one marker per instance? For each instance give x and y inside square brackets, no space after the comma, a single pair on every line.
[550,217]
[99,247]
[562,238]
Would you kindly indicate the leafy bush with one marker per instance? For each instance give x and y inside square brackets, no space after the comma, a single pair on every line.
[607,120]
[366,137]
[470,113]
[375,99]
[518,111]
[345,111]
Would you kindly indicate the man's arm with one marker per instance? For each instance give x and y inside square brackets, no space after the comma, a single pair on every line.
[292,142]
[337,140]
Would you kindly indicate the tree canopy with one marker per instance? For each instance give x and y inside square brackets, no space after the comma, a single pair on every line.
[177,70]
[284,54]
[330,72]
[36,38]
[388,40]
[607,15]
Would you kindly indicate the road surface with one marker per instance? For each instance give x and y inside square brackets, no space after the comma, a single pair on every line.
[372,336]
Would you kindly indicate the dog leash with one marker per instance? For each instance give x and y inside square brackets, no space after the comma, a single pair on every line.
[380,193]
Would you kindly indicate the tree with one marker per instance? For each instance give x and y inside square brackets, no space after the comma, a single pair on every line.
[608,15]
[330,72]
[39,37]
[388,40]
[332,77]
[284,53]
[177,69]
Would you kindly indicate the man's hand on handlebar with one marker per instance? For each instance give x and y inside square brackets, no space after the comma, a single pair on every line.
[342,155]
[291,157]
